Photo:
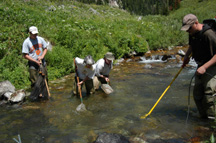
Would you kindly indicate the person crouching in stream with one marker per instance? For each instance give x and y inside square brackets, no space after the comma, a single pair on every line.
[85,70]
[103,68]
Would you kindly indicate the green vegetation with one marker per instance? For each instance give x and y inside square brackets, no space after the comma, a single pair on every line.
[77,29]
[142,7]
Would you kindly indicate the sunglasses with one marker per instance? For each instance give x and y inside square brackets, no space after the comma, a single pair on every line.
[190,27]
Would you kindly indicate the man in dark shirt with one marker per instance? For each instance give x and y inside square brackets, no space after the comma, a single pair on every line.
[202,46]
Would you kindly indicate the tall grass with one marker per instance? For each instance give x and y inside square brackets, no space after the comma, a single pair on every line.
[77,29]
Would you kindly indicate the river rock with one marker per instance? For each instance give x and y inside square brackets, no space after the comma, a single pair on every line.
[165,57]
[148,55]
[18,96]
[6,86]
[181,53]
[178,58]
[111,138]
[8,95]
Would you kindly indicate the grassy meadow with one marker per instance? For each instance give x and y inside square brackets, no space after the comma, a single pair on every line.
[77,29]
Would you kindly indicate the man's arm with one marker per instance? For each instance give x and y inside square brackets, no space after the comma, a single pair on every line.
[202,69]
[211,38]
[187,56]
[81,82]
[43,55]
[26,56]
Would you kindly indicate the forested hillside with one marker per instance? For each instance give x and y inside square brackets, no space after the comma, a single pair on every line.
[77,29]
[141,7]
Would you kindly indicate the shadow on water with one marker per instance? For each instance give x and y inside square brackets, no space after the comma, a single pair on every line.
[136,89]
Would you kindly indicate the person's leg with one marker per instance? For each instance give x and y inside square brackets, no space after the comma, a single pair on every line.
[75,89]
[96,83]
[89,87]
[33,77]
[210,90]
[199,97]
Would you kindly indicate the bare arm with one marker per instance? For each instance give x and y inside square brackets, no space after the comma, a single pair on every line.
[187,56]
[26,56]
[210,37]
[43,55]
[202,69]
[81,82]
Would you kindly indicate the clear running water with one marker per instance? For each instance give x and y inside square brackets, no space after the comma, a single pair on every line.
[137,86]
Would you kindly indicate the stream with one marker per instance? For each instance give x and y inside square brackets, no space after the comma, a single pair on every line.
[137,85]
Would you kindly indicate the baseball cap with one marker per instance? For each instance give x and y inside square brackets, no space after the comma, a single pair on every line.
[109,56]
[33,30]
[188,21]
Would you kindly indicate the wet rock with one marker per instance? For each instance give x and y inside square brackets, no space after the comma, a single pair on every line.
[138,140]
[18,96]
[7,95]
[118,61]
[166,141]
[165,57]
[128,60]
[6,86]
[148,54]
[181,53]
[178,58]
[147,66]
[111,138]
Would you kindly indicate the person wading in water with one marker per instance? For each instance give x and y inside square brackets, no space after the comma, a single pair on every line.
[202,46]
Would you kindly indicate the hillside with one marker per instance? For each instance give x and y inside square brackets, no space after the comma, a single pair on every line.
[77,29]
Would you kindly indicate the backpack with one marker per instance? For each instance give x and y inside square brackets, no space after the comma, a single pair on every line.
[211,23]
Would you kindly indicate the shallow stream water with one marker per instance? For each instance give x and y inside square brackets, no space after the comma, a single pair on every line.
[137,86]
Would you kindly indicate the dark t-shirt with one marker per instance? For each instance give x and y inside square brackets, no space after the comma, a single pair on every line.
[203,45]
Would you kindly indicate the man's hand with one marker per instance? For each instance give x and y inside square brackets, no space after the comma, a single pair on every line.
[107,79]
[40,58]
[38,62]
[185,61]
[80,83]
[201,70]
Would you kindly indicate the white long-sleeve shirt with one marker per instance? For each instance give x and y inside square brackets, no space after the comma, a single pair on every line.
[83,71]
[102,68]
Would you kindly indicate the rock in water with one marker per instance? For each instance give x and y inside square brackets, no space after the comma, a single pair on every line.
[6,86]
[111,138]
[18,96]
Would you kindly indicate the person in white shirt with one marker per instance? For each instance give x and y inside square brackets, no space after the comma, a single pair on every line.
[103,68]
[34,50]
[86,71]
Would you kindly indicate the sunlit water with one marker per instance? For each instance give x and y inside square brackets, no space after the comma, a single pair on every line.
[137,86]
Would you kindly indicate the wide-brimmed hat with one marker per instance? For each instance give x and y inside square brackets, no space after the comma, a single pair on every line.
[33,30]
[188,21]
[109,56]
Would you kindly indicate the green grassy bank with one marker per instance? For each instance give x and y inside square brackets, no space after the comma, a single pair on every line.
[77,29]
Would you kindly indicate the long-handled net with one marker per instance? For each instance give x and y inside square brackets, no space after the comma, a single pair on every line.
[40,90]
[81,107]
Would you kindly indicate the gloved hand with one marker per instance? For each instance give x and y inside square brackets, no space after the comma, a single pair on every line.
[185,61]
